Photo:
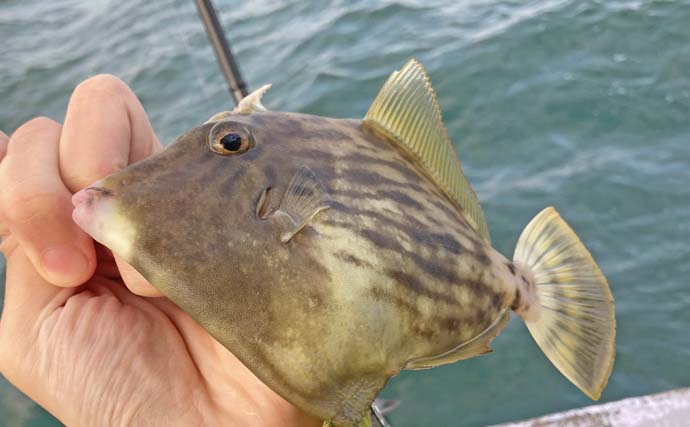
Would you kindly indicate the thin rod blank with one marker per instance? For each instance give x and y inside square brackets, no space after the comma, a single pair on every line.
[221,47]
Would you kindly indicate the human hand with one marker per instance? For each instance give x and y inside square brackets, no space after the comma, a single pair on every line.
[82,333]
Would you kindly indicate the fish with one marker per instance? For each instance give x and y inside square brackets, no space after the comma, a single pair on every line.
[330,254]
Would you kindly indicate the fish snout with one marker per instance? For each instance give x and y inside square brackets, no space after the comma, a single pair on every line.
[87,194]
[87,202]
[96,211]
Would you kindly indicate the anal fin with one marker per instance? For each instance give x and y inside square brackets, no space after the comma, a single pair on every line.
[476,346]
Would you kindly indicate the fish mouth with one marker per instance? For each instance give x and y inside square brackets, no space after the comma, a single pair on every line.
[97,212]
[85,195]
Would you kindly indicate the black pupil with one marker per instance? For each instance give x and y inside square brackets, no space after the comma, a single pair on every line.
[231,142]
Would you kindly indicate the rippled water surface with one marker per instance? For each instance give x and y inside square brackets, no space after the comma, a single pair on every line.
[582,104]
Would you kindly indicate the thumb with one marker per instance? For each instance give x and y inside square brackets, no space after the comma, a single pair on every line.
[35,206]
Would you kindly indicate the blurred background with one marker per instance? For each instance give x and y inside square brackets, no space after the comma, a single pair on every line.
[581,104]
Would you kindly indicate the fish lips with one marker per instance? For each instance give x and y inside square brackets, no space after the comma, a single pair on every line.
[97,212]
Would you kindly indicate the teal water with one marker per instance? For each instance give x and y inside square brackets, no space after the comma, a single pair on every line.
[581,104]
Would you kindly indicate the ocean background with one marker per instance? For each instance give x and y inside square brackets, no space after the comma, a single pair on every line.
[581,104]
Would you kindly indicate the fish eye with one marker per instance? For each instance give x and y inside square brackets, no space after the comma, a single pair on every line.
[230,139]
[231,142]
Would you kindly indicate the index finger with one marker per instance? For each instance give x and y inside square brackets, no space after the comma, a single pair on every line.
[105,129]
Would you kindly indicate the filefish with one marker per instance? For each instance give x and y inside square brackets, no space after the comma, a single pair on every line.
[329,254]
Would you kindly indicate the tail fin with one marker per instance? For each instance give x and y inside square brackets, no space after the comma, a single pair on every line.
[576,327]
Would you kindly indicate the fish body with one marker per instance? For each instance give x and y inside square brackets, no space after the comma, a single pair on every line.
[324,253]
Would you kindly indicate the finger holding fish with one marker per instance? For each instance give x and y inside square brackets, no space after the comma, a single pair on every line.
[35,206]
[105,110]
[105,129]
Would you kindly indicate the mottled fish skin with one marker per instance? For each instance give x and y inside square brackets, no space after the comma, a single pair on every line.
[391,272]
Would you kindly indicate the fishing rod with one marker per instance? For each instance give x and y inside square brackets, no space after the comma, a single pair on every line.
[221,47]
[238,90]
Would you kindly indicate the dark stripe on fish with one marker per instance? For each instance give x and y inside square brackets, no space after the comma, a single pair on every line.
[431,267]
[450,323]
[360,176]
[362,159]
[517,300]
[315,154]
[413,283]
[415,230]
[354,260]
[380,294]
[401,197]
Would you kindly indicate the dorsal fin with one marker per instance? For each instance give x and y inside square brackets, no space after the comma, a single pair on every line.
[252,102]
[406,111]
[249,104]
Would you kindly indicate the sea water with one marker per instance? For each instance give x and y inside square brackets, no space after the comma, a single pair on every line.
[580,104]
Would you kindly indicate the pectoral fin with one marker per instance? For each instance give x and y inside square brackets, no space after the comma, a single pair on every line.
[303,199]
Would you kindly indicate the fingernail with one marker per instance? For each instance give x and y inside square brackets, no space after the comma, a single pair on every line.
[64,265]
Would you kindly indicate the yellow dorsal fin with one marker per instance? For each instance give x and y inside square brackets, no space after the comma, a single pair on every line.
[406,111]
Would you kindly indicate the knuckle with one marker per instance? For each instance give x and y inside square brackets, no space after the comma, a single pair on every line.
[99,168]
[102,167]
[37,125]
[100,86]
[7,246]
[21,204]
[40,122]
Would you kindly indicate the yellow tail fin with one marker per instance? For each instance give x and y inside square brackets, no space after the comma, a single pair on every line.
[576,327]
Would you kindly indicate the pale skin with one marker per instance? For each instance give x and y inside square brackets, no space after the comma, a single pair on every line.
[81,333]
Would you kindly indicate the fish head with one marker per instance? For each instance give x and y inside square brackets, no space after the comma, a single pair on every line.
[196,207]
